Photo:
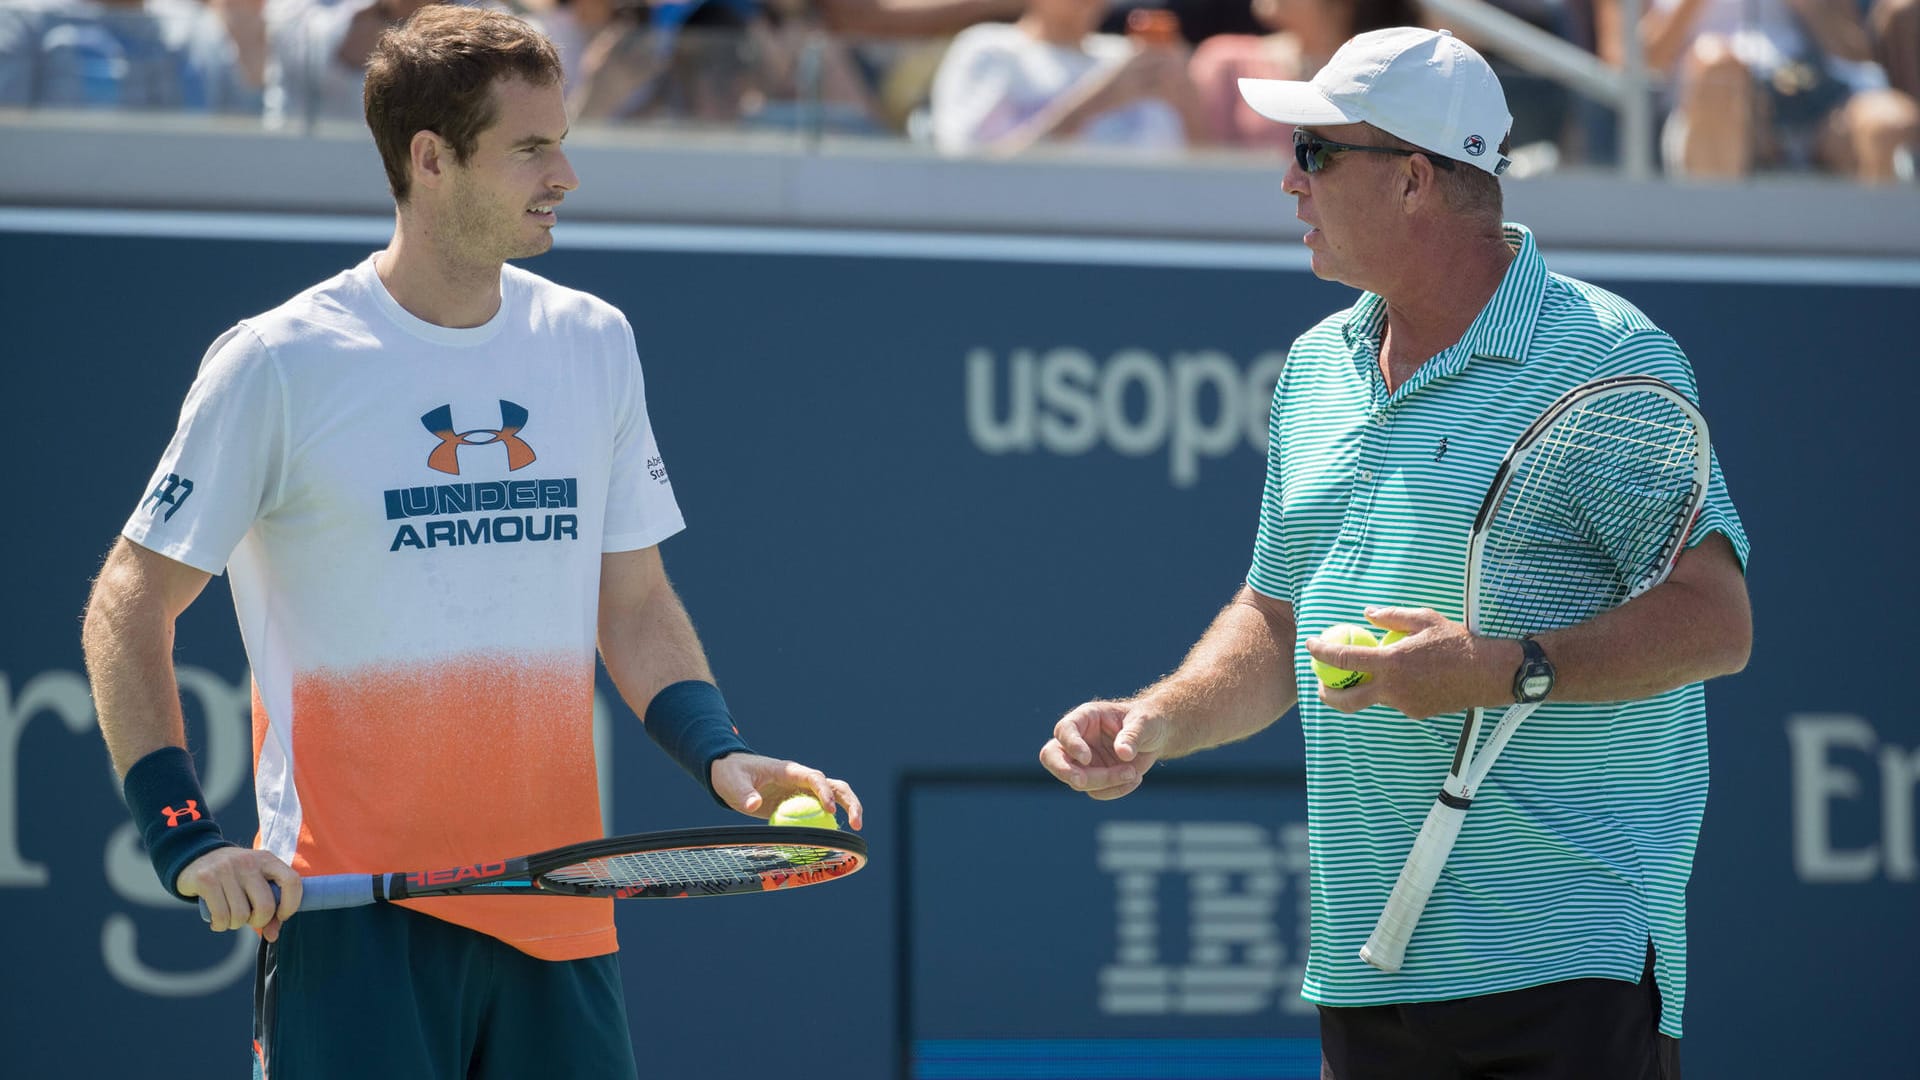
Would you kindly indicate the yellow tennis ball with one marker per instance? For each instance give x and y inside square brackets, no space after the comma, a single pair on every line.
[1343,634]
[1392,636]
[804,810]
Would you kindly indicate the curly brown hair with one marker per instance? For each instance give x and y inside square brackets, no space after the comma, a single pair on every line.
[435,72]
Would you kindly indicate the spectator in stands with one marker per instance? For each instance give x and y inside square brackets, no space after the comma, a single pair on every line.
[571,25]
[820,65]
[684,61]
[319,56]
[1770,83]
[1304,35]
[807,78]
[1198,19]
[913,18]
[1895,26]
[1050,78]
[897,45]
[1542,105]
[239,56]
[141,54]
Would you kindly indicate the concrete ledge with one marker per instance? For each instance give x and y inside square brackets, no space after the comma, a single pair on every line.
[176,162]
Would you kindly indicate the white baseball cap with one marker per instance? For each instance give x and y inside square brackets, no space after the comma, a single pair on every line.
[1425,86]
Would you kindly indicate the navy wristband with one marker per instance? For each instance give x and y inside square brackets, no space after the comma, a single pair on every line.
[691,723]
[172,815]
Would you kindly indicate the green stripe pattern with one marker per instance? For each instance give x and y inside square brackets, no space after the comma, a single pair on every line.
[1579,846]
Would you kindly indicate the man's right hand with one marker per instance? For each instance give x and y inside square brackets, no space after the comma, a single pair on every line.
[1105,748]
[236,884]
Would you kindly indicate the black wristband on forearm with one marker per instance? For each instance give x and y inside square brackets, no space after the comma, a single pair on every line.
[172,815]
[691,723]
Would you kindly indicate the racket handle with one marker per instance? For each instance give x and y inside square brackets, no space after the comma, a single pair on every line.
[1387,948]
[321,892]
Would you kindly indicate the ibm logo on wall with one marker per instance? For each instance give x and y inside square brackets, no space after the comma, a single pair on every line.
[1235,940]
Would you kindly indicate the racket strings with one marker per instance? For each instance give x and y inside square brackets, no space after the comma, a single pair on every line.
[693,868]
[1594,515]
[1668,433]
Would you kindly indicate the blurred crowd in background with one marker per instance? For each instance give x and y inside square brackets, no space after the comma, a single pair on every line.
[1742,86]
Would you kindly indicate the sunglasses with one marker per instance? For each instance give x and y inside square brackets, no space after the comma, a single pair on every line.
[1315,153]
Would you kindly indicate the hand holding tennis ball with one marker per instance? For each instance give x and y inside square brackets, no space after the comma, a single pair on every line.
[803,810]
[1343,634]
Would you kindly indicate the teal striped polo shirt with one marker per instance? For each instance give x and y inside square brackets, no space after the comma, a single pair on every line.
[1580,844]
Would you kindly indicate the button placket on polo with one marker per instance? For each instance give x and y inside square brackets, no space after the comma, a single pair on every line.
[1375,436]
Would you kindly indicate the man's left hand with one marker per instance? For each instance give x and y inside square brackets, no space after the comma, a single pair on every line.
[1439,667]
[755,785]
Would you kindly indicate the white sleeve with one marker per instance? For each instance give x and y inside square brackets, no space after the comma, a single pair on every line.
[223,469]
[641,510]
[970,101]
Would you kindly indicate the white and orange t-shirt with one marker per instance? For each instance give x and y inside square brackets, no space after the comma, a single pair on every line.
[412,518]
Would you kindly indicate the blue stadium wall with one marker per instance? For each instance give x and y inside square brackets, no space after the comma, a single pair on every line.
[937,495]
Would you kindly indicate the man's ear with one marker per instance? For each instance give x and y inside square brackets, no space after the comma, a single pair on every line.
[1420,183]
[429,157]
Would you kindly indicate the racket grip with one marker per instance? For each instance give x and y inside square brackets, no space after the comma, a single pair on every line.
[321,892]
[1386,949]
[206,913]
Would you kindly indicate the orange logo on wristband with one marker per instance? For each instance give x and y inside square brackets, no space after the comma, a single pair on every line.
[191,813]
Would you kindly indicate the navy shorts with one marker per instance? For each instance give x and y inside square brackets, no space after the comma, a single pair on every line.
[1581,1029]
[381,991]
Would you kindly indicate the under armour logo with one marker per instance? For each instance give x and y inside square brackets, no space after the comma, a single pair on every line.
[173,490]
[1441,450]
[446,457]
[191,813]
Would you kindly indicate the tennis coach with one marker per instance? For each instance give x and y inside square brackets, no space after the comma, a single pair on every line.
[1555,943]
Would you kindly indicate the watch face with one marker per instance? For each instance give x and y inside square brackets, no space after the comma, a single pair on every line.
[1536,686]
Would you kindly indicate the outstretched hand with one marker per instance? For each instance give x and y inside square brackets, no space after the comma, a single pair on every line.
[755,784]
[1105,748]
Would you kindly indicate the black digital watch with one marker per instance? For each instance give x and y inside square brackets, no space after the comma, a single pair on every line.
[1534,679]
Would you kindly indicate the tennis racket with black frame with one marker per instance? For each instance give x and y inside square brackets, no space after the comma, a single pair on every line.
[643,866]
[1590,508]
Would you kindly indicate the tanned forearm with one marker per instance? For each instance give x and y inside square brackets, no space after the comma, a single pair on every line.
[1236,680]
[128,639]
[646,637]
[1697,625]
[1665,34]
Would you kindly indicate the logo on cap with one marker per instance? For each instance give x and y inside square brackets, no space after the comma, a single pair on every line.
[1475,145]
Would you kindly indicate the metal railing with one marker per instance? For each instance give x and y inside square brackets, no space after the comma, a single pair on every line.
[1628,90]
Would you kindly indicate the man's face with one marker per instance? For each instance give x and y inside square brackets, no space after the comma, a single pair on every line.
[500,204]
[1350,207]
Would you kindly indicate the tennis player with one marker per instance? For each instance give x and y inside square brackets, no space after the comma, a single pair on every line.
[1555,943]
[433,483]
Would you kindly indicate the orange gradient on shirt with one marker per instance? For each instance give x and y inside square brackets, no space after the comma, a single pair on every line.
[459,761]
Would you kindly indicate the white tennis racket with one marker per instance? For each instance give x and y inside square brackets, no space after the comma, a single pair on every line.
[1590,508]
